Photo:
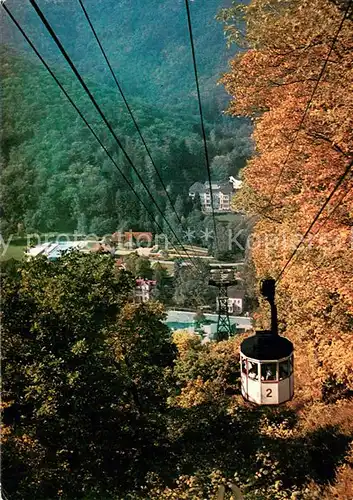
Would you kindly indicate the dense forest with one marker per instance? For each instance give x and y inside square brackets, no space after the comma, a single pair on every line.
[100,401]
[55,176]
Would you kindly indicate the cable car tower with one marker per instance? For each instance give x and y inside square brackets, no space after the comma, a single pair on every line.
[222,278]
[266,359]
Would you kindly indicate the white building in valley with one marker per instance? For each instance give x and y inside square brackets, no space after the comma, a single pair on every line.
[222,194]
[235,300]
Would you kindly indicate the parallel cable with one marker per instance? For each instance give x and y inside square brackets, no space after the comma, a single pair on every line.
[338,204]
[201,114]
[311,99]
[344,194]
[339,182]
[127,106]
[84,120]
[107,123]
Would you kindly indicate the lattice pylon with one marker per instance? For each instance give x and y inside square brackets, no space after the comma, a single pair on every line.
[223,325]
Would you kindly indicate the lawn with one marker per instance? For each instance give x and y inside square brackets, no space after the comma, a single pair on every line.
[229,217]
[13,252]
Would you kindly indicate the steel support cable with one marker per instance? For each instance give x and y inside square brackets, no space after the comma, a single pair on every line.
[324,222]
[83,118]
[340,201]
[107,123]
[127,106]
[339,182]
[201,114]
[350,3]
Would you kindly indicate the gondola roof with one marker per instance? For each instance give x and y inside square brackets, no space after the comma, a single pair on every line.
[267,346]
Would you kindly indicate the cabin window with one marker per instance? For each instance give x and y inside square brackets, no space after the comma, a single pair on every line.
[243,366]
[284,369]
[291,361]
[269,371]
[253,372]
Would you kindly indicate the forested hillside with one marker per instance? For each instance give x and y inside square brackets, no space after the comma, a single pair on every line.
[55,177]
[147,44]
[99,400]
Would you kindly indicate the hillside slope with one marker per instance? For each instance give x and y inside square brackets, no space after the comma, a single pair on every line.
[147,43]
[55,177]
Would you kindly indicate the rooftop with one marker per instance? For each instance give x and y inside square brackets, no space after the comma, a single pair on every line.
[235,293]
[53,250]
[141,282]
[200,188]
[120,237]
[197,187]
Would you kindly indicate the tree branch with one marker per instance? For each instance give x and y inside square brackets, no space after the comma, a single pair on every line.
[277,84]
[322,137]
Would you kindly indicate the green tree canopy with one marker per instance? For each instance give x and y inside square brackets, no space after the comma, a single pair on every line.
[164,284]
[192,288]
[84,379]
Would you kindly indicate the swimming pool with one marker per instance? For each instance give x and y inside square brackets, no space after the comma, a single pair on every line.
[60,247]
[185,320]
[175,325]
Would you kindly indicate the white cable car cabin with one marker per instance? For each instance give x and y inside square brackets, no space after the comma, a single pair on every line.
[267,376]
[266,359]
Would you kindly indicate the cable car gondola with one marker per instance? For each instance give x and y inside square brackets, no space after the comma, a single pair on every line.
[266,359]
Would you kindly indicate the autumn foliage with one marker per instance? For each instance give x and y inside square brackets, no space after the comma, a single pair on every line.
[298,53]
[101,402]
[294,80]
[98,402]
